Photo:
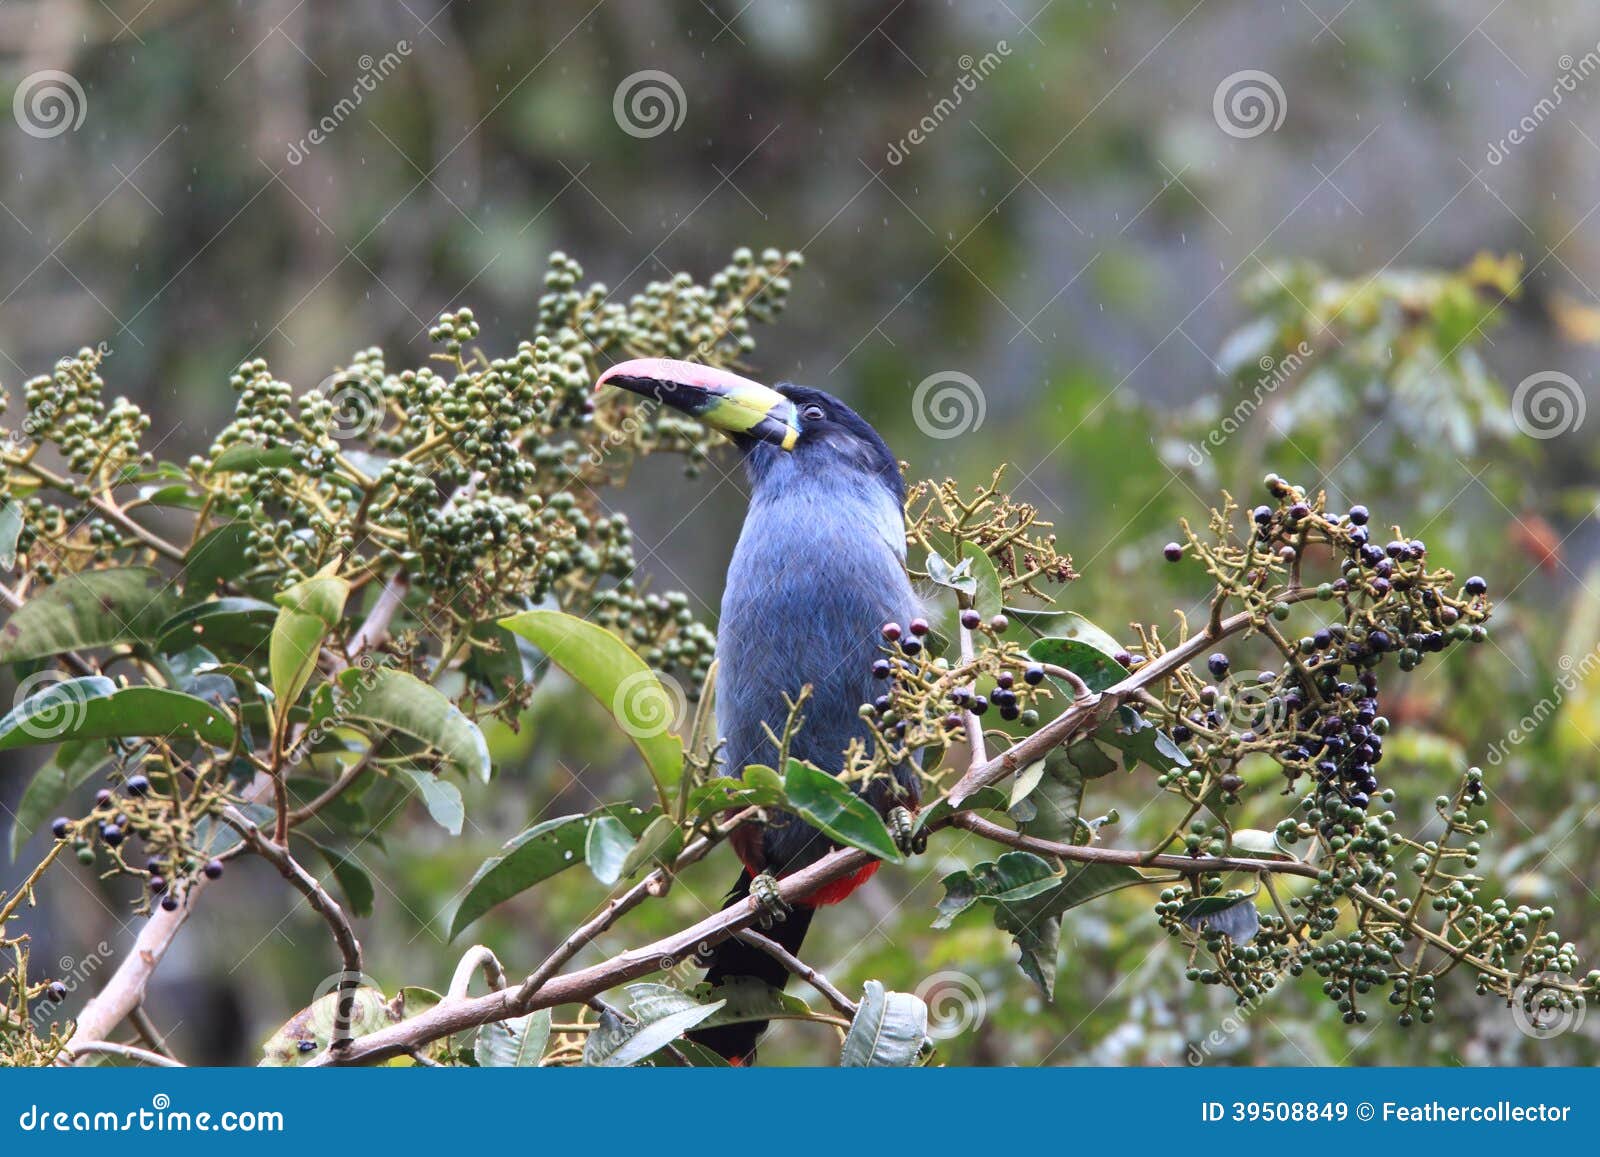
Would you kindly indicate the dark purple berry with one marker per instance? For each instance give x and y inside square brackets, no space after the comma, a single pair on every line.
[1033,676]
[890,631]
[137,785]
[60,826]
[169,903]
[912,646]
[1262,515]
[1217,664]
[158,885]
[1005,680]
[1359,515]
[102,797]
[979,705]
[56,992]
[213,869]
[919,627]
[881,669]
[1476,585]
[111,834]
[998,624]
[970,619]
[1172,552]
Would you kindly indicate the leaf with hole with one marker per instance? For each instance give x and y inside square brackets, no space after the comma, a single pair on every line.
[92,609]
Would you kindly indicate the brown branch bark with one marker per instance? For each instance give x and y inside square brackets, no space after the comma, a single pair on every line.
[800,968]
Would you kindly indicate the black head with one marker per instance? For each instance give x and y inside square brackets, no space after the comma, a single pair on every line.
[832,437]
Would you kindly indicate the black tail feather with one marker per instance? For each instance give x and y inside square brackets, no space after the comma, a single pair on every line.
[733,959]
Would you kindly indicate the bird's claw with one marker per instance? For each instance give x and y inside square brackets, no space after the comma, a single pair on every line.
[770,907]
[902,827]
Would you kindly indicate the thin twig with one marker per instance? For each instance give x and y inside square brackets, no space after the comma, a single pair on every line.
[477,958]
[799,968]
[129,1052]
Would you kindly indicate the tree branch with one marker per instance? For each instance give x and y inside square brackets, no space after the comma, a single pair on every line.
[131,1052]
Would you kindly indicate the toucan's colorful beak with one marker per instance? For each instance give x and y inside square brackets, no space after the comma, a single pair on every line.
[730,403]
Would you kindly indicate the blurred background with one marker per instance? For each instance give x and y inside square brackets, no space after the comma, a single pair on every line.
[1069,236]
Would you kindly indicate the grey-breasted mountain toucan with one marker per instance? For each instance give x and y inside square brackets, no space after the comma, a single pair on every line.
[818,570]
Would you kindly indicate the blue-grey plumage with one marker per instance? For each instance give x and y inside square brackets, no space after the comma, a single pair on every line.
[819,568]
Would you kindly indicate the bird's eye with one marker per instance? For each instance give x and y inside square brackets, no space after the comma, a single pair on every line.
[812,413]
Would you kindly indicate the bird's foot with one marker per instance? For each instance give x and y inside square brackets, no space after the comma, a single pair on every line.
[770,907]
[902,826]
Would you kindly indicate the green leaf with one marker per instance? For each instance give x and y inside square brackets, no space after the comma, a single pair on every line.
[517,1043]
[252,456]
[1257,843]
[404,703]
[623,683]
[840,813]
[535,855]
[660,843]
[352,877]
[1013,878]
[745,998]
[986,597]
[441,797]
[606,849]
[71,766]
[308,611]
[617,1044]
[1026,780]
[93,609]
[10,531]
[1088,662]
[236,622]
[956,578]
[369,1011]
[95,708]
[889,1029]
[172,494]
[984,799]
[217,558]
[759,787]
[1141,741]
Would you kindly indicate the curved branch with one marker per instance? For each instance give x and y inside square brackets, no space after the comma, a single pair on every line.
[130,1052]
[799,968]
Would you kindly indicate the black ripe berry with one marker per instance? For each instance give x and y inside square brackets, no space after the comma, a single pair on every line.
[919,627]
[1217,664]
[169,903]
[1298,511]
[59,827]
[1172,552]
[979,705]
[912,646]
[1033,676]
[102,797]
[1476,585]
[880,669]
[57,992]
[1005,680]
[890,631]
[138,785]
[1359,515]
[1262,515]
[970,619]
[111,834]
[158,885]
[213,869]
